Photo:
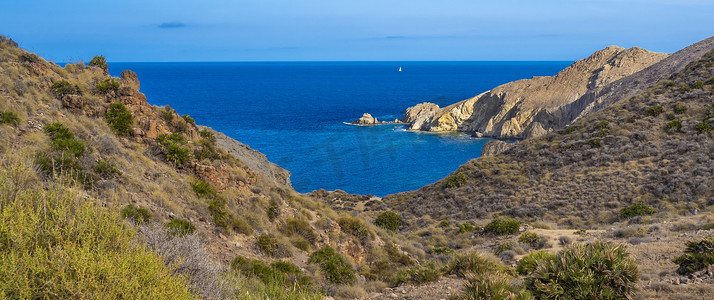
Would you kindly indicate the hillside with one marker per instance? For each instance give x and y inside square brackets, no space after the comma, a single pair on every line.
[217,219]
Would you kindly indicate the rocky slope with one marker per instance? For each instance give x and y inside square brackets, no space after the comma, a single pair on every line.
[654,147]
[511,110]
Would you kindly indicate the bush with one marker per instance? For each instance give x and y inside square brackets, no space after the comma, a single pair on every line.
[240,225]
[217,209]
[473,262]
[674,124]
[442,251]
[106,169]
[279,272]
[180,227]
[299,227]
[208,135]
[270,246]
[119,119]
[679,108]
[355,227]
[63,87]
[503,247]
[172,145]
[593,271]
[107,85]
[569,129]
[336,269]
[466,227]
[702,127]
[528,263]
[388,220]
[455,180]
[203,189]
[594,142]
[57,244]
[503,226]
[495,285]
[529,238]
[426,272]
[697,256]
[698,84]
[63,139]
[8,117]
[636,209]
[444,224]
[188,119]
[101,62]
[167,114]
[654,110]
[135,213]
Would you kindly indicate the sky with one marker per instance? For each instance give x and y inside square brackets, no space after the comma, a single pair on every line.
[349,30]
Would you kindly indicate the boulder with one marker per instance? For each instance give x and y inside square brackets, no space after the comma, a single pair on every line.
[366,119]
[415,111]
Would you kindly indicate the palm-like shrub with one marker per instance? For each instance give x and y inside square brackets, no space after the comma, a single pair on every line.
[697,256]
[119,119]
[586,271]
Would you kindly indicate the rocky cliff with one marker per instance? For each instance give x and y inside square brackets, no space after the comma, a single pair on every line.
[511,110]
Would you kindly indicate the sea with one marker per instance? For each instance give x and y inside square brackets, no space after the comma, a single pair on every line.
[297,113]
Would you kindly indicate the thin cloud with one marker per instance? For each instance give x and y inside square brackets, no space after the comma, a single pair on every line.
[172,25]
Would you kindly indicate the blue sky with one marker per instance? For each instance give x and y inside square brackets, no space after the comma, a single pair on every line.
[279,30]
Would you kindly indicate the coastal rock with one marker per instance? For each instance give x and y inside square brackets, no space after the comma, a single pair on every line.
[511,110]
[418,110]
[129,78]
[495,147]
[366,119]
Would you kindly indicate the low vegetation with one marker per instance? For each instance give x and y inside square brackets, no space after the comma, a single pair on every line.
[503,226]
[388,220]
[697,256]
[636,209]
[119,119]
[334,267]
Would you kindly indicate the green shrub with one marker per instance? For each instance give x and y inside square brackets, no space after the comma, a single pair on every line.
[273,210]
[697,256]
[671,116]
[503,226]
[580,231]
[702,127]
[335,268]
[180,227]
[444,224]
[57,244]
[474,262]
[494,285]
[203,189]
[107,85]
[172,145]
[593,271]
[119,119]
[455,180]
[63,166]
[355,227]
[674,124]
[217,210]
[167,114]
[569,129]
[299,227]
[529,238]
[135,213]
[63,87]
[636,209]
[654,110]
[698,84]
[240,225]
[188,119]
[388,220]
[101,62]
[206,151]
[272,247]
[679,108]
[8,117]
[279,272]
[503,247]
[208,135]
[602,125]
[63,139]
[426,272]
[528,263]
[466,227]
[594,142]
[106,169]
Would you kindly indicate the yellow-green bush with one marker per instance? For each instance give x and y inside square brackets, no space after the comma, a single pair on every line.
[55,244]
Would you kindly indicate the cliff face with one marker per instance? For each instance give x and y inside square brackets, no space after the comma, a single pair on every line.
[510,110]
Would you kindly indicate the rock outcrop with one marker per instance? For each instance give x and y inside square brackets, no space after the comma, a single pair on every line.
[495,147]
[511,110]
[366,119]
[420,109]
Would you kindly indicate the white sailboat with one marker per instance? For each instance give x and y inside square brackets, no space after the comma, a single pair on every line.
[400,69]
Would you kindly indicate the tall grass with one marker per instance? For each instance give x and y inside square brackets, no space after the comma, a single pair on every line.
[54,243]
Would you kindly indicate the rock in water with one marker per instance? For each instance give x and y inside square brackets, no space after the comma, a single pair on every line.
[366,119]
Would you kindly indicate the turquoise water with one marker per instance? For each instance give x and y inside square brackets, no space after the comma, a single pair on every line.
[295,112]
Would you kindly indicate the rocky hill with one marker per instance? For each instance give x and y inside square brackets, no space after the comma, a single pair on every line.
[655,147]
[519,109]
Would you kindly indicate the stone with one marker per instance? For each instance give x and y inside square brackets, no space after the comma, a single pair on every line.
[415,111]
[366,119]
[495,147]
[130,78]
[75,103]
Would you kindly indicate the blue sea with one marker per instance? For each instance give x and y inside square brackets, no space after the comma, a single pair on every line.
[295,113]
